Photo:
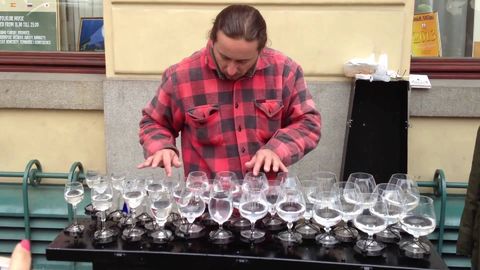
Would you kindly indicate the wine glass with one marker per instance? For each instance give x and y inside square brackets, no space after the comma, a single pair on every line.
[255,183]
[366,183]
[419,221]
[220,208]
[291,208]
[102,196]
[117,179]
[372,222]
[190,206]
[73,194]
[308,229]
[327,211]
[197,181]
[351,202]
[90,177]
[272,195]
[408,187]
[288,180]
[253,206]
[133,194]
[393,196]
[172,184]
[160,203]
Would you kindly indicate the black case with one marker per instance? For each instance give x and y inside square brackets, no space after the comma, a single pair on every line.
[377,129]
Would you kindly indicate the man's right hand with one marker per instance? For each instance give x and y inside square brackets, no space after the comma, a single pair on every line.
[165,158]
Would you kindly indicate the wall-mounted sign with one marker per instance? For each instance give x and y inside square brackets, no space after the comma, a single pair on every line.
[28,25]
[426,35]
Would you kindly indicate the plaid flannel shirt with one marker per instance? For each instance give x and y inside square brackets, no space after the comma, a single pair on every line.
[223,123]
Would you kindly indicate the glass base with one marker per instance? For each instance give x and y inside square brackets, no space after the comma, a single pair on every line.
[326,239]
[104,236]
[144,218]
[132,234]
[345,234]
[389,235]
[207,220]
[116,216]
[307,230]
[369,247]
[239,224]
[415,248]
[74,230]
[221,236]
[252,235]
[161,236]
[190,231]
[290,237]
[273,223]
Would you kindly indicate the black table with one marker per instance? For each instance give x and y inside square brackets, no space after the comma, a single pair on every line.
[201,254]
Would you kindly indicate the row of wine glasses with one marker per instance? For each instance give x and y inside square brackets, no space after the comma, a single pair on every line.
[381,210]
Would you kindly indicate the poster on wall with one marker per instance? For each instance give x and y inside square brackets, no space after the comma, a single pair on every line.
[28,25]
[426,35]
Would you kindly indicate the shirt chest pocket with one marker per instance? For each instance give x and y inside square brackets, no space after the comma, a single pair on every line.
[269,118]
[204,124]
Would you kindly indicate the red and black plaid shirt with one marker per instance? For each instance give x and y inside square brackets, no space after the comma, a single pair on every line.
[223,123]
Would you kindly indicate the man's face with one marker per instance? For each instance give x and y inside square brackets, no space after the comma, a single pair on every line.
[235,57]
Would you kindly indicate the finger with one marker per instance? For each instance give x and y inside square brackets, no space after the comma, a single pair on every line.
[267,163]
[249,164]
[283,168]
[21,256]
[145,163]
[157,160]
[176,161]
[167,162]
[276,164]
[258,164]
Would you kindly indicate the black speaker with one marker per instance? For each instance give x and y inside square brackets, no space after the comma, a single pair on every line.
[377,129]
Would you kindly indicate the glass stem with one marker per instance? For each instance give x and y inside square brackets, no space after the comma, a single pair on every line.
[74,207]
[103,218]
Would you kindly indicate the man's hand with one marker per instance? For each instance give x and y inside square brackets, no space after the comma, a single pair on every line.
[266,158]
[165,158]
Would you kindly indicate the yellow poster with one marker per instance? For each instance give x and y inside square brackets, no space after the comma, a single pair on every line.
[426,35]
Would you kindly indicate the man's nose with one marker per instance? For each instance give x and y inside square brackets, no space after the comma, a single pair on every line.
[231,69]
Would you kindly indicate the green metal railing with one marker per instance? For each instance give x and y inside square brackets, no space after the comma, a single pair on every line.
[32,175]
[440,185]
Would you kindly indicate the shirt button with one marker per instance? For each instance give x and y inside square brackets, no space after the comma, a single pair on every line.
[239,128]
[243,149]
[236,105]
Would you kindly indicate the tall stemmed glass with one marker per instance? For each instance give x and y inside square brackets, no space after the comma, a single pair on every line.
[221,208]
[393,196]
[366,183]
[198,183]
[102,196]
[327,211]
[90,177]
[253,206]
[351,201]
[172,184]
[291,208]
[419,221]
[272,194]
[73,194]
[372,222]
[153,187]
[160,204]
[190,206]
[307,229]
[133,194]
[117,184]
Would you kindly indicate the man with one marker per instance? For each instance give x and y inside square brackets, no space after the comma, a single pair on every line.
[238,105]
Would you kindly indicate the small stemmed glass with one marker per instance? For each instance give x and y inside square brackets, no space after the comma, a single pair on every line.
[160,204]
[419,221]
[366,184]
[291,208]
[117,184]
[220,207]
[393,196]
[307,229]
[272,194]
[102,195]
[90,177]
[327,211]
[190,206]
[371,222]
[253,206]
[133,194]
[351,201]
[73,194]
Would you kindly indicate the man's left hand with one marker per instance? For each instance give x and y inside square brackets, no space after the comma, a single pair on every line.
[268,159]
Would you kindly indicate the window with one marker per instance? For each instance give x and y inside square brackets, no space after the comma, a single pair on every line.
[52,36]
[458,36]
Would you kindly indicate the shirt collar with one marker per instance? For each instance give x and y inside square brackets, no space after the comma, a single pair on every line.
[262,61]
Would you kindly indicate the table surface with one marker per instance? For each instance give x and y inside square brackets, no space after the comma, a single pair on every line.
[238,254]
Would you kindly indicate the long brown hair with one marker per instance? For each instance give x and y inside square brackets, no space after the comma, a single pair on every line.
[241,22]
